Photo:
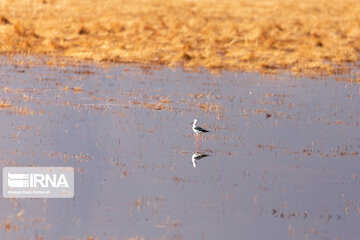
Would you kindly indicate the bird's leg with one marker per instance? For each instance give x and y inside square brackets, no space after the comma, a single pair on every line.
[200,141]
[197,146]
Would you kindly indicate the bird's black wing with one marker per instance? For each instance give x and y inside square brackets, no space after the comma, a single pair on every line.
[201,156]
[201,129]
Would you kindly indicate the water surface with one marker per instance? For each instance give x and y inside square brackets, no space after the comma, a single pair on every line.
[283,164]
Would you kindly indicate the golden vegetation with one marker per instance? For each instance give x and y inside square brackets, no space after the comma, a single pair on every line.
[77,89]
[210,107]
[307,37]
[23,111]
[4,104]
[162,104]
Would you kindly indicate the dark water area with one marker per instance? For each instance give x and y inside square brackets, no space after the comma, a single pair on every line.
[283,153]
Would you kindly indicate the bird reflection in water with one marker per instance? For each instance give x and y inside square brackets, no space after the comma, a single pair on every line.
[197,156]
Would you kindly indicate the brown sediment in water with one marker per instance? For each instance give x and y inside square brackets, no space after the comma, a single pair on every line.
[305,37]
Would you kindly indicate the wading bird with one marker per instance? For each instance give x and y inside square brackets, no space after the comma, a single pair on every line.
[198,132]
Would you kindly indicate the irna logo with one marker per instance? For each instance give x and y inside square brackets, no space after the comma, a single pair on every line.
[21,180]
[38,182]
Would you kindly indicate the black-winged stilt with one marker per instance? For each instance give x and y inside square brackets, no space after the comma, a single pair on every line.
[198,131]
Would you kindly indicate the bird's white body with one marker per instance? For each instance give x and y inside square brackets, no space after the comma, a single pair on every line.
[194,127]
[198,130]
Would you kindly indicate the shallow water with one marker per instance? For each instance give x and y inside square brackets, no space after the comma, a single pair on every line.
[283,164]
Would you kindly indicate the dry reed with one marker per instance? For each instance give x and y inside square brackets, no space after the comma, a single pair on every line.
[306,37]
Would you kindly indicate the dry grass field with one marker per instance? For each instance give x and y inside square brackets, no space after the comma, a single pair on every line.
[306,37]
